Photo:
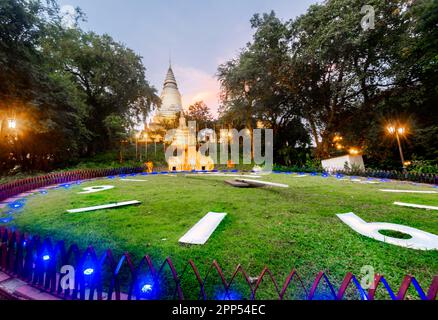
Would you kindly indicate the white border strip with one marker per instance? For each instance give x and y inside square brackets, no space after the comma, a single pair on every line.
[105,206]
[417,206]
[408,191]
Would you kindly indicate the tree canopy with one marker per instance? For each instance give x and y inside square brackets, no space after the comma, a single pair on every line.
[71,92]
[322,75]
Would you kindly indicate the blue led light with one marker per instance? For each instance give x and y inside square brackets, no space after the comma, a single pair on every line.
[46,257]
[230,296]
[111,177]
[6,220]
[89,271]
[133,174]
[24,243]
[16,205]
[43,192]
[146,288]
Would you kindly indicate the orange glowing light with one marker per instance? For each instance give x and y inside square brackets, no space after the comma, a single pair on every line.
[12,123]
[354,151]
[391,129]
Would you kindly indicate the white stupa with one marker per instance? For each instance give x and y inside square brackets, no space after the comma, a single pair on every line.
[171,102]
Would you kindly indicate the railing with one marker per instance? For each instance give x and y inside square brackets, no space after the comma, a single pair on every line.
[39,263]
[14,188]
[428,178]
[394,175]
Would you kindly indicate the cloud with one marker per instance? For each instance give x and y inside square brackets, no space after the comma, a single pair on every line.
[196,85]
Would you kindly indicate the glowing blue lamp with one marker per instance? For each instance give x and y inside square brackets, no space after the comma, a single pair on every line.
[146,288]
[230,296]
[46,257]
[16,205]
[6,220]
[89,271]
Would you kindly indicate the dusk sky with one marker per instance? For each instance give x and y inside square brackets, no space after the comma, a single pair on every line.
[199,34]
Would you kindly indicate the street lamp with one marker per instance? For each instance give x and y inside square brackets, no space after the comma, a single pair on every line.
[137,137]
[12,123]
[399,131]
[354,151]
[145,137]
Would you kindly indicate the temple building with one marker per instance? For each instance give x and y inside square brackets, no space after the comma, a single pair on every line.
[171,101]
[167,115]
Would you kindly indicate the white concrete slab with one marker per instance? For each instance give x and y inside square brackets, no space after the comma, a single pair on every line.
[133,180]
[417,206]
[96,189]
[408,191]
[105,206]
[202,231]
[262,183]
[301,176]
[420,240]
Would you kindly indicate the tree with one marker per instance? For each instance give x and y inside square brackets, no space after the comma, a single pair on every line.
[336,78]
[111,76]
[71,92]
[255,86]
[200,113]
[48,109]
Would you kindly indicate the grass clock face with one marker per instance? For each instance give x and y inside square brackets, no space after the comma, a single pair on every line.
[280,227]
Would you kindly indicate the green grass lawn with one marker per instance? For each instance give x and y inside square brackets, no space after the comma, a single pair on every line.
[280,228]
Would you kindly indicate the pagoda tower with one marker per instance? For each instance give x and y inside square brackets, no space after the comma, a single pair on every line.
[171,102]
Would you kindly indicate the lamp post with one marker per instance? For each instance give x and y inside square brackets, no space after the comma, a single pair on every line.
[145,136]
[399,131]
[137,137]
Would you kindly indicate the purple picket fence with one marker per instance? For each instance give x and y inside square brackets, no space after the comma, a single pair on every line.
[39,263]
[11,189]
